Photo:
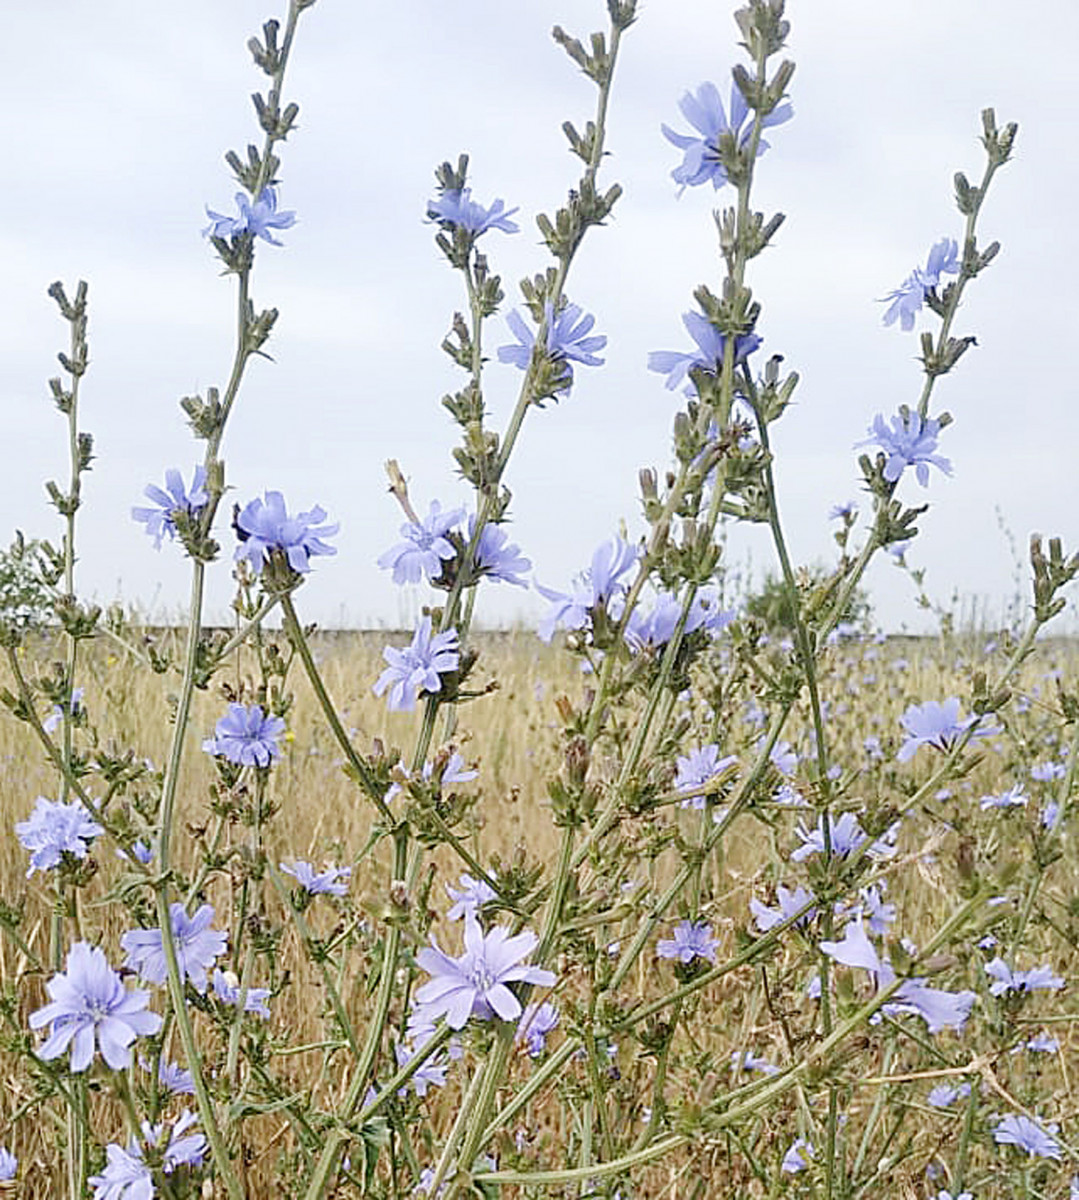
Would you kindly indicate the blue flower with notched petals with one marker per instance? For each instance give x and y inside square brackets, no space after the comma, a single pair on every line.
[54,829]
[1029,1135]
[197,947]
[330,881]
[255,219]
[265,528]
[496,557]
[910,441]
[906,301]
[88,1004]
[567,341]
[425,548]
[455,209]
[416,668]
[246,736]
[161,521]
[692,939]
[711,347]
[705,112]
[228,990]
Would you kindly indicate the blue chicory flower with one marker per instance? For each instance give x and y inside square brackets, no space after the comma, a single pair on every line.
[537,1021]
[1012,798]
[88,1004]
[255,219]
[227,989]
[704,111]
[496,557]
[1047,771]
[935,724]
[52,722]
[1029,1135]
[455,209]
[788,903]
[910,441]
[1019,982]
[160,522]
[54,829]
[695,769]
[265,528]
[197,947]
[176,1079]
[938,1009]
[416,668]
[425,547]
[128,1177]
[746,1060]
[330,881]
[567,341]
[432,1073]
[469,898]
[692,939]
[246,736]
[595,586]
[797,1157]
[476,983]
[842,512]
[9,1164]
[846,836]
[906,301]
[711,348]
[946,1094]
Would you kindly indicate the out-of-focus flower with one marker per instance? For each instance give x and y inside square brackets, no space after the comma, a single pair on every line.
[54,829]
[935,724]
[425,546]
[476,983]
[176,1079]
[256,219]
[1047,771]
[9,1164]
[842,512]
[496,557]
[906,301]
[709,355]
[160,522]
[692,939]
[1006,980]
[416,668]
[537,1021]
[788,903]
[745,1060]
[705,112]
[1042,1043]
[910,441]
[1012,798]
[197,947]
[432,1073]
[265,528]
[330,881]
[125,1177]
[696,768]
[1029,1135]
[945,1094]
[246,736]
[797,1157]
[455,208]
[227,989]
[89,1004]
[469,898]
[567,341]
[52,722]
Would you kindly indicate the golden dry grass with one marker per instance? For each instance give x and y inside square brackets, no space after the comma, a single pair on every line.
[513,736]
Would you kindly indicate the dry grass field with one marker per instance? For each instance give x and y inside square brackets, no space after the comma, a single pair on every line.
[512,735]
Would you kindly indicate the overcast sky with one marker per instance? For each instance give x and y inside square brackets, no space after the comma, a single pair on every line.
[117,117]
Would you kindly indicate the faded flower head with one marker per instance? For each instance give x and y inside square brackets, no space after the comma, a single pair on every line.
[246,736]
[54,829]
[910,441]
[160,522]
[705,112]
[476,983]
[256,219]
[416,668]
[197,947]
[265,528]
[88,1005]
